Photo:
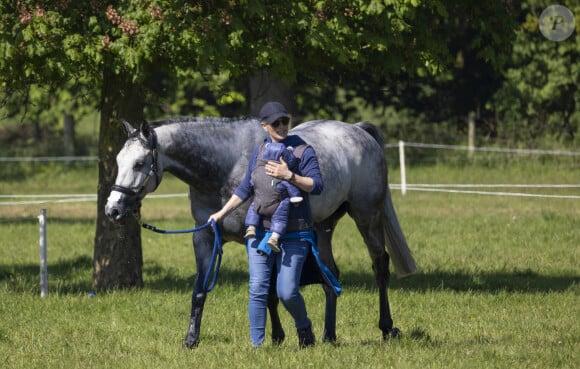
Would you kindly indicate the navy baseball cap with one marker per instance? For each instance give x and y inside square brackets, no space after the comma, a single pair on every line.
[271,111]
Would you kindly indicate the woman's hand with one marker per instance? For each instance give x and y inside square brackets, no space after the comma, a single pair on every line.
[278,170]
[230,206]
[216,217]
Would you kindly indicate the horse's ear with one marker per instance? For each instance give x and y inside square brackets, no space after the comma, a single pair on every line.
[128,127]
[145,129]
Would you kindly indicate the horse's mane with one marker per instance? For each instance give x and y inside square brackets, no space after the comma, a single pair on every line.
[199,120]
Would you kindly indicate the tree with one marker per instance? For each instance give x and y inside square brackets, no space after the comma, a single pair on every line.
[118,48]
[417,105]
[540,95]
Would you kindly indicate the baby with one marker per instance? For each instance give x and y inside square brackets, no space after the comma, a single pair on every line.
[272,197]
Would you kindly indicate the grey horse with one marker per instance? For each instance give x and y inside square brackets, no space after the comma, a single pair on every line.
[211,155]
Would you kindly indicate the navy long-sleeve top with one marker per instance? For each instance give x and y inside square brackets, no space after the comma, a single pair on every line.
[308,167]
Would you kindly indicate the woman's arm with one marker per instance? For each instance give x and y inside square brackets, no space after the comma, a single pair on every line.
[241,193]
[233,203]
[310,181]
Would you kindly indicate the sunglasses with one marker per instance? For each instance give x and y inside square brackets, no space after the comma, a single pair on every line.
[283,122]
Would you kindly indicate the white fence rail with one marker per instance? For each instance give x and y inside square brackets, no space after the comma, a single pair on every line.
[448,188]
[33,159]
[487,149]
[404,186]
[67,198]
[474,189]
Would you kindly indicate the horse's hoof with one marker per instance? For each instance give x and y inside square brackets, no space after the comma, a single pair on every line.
[190,343]
[278,339]
[392,333]
[328,338]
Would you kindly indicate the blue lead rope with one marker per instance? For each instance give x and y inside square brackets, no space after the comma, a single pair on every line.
[217,252]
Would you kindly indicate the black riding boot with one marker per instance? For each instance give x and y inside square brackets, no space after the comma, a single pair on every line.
[306,337]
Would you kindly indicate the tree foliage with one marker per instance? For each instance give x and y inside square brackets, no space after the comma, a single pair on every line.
[66,45]
[531,100]
[49,42]
[540,95]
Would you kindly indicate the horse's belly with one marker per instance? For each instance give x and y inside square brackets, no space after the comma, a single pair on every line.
[325,204]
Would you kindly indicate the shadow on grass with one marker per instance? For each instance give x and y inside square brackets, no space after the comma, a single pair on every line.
[69,276]
[73,276]
[158,278]
[526,281]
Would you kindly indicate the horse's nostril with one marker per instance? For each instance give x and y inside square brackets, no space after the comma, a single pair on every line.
[116,214]
[113,213]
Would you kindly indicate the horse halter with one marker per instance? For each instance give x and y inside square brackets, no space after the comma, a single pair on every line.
[153,170]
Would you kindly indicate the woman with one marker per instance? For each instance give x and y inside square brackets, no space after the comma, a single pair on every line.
[294,246]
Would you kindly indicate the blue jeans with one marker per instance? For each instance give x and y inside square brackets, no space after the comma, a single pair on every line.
[288,265]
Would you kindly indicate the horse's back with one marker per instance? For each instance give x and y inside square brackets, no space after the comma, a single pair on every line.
[352,164]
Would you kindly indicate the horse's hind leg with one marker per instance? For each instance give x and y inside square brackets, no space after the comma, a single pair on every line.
[324,232]
[371,228]
[324,235]
[278,334]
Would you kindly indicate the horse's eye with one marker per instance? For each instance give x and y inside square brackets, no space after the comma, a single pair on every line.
[139,165]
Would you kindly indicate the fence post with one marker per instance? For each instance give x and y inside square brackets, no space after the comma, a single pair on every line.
[402,165]
[471,133]
[43,263]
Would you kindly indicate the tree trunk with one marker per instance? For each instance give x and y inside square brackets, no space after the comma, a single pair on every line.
[118,258]
[264,88]
[69,135]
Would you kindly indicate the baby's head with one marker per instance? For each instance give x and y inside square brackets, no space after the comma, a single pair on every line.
[275,150]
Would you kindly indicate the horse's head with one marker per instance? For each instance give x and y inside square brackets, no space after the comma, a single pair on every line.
[138,172]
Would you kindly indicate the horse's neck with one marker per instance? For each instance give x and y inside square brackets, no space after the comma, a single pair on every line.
[204,154]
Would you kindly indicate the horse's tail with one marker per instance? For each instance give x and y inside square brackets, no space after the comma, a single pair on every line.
[372,130]
[399,251]
[401,256]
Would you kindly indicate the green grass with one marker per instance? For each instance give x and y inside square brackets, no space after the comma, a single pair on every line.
[498,286]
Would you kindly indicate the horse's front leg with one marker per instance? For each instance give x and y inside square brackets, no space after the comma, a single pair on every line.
[192,336]
[202,246]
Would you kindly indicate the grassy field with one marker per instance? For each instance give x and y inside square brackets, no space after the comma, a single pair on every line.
[498,287]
